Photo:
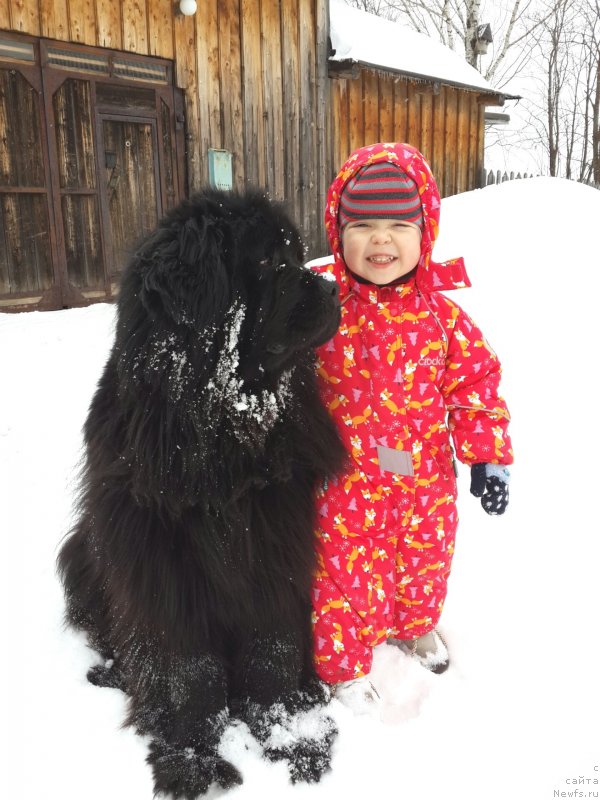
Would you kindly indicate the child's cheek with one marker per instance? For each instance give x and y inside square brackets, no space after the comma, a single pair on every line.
[350,254]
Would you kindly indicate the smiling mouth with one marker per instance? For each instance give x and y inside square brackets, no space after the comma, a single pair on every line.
[381,261]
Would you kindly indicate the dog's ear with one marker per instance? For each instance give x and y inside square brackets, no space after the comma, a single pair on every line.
[172,306]
[183,271]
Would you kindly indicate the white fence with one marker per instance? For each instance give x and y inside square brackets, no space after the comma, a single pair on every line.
[490,177]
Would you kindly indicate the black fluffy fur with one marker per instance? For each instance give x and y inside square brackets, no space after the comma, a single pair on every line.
[190,565]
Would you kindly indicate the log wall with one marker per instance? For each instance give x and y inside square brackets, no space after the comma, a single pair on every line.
[251,75]
[446,124]
[256,84]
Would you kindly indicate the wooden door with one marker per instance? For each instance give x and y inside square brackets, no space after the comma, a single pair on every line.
[27,266]
[70,103]
[129,187]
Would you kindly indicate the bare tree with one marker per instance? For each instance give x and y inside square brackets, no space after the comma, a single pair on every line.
[381,8]
[592,47]
[596,131]
[552,46]
[460,23]
[564,102]
[556,35]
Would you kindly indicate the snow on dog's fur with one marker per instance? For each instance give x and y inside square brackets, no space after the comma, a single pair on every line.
[190,565]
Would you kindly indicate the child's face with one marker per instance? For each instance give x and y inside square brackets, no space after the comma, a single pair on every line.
[381,250]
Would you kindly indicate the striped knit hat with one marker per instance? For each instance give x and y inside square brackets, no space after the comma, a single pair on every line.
[380,190]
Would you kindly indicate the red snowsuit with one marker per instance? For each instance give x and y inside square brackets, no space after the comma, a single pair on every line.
[406,368]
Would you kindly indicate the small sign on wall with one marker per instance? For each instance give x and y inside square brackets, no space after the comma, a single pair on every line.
[220,168]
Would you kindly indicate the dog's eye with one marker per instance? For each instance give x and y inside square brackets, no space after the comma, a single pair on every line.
[276,349]
[264,262]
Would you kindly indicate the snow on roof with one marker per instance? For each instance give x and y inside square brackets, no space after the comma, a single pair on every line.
[359,36]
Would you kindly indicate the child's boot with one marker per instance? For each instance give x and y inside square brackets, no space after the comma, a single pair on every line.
[430,650]
[359,695]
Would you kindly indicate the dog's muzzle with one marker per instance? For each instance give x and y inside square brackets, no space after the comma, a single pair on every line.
[334,311]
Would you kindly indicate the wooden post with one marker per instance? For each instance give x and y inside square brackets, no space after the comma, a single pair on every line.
[272,80]
[324,143]
[291,92]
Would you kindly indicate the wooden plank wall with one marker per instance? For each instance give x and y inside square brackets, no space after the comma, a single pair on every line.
[255,81]
[254,76]
[446,125]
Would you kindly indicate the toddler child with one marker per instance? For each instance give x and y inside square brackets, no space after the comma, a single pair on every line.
[406,371]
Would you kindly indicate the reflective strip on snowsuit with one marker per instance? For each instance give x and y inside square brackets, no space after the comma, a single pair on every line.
[406,369]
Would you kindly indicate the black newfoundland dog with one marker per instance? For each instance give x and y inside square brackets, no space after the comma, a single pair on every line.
[190,565]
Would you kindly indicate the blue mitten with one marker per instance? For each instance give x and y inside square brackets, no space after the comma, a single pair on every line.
[490,482]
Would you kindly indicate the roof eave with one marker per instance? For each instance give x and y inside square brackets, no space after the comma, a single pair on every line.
[347,68]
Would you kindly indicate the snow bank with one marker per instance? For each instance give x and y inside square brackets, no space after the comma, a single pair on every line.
[516,715]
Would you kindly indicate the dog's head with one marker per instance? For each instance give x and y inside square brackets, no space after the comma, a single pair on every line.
[217,319]
[232,263]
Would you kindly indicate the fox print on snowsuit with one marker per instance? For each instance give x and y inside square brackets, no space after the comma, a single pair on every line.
[406,372]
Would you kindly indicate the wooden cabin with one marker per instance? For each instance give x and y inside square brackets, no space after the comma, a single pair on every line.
[446,123]
[112,111]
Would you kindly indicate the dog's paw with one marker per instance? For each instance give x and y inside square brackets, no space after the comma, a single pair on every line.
[315,693]
[106,675]
[187,773]
[303,739]
[307,759]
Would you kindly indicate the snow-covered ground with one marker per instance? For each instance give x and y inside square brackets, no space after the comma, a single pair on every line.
[517,714]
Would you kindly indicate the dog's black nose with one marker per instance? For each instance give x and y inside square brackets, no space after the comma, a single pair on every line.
[330,287]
